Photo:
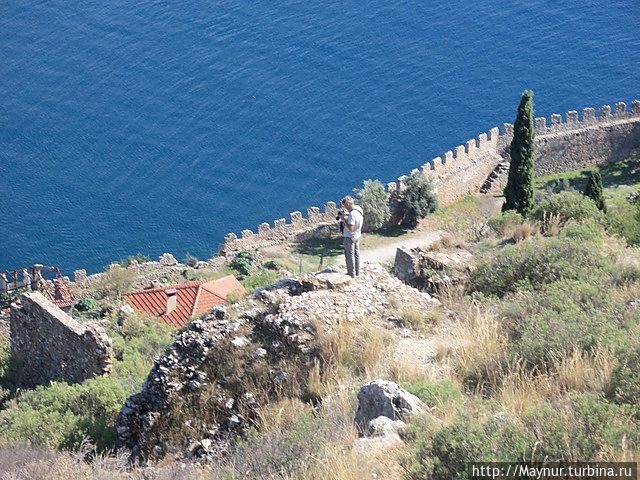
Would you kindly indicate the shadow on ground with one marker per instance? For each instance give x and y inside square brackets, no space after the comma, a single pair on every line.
[625,172]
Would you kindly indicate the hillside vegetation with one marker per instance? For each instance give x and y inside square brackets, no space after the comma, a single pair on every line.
[534,357]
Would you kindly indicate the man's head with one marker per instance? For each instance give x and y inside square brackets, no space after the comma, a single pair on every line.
[347,202]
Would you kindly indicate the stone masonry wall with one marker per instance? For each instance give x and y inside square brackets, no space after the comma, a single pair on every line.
[562,144]
[316,223]
[50,345]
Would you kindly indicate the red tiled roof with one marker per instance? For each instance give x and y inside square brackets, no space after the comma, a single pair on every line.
[192,298]
[62,296]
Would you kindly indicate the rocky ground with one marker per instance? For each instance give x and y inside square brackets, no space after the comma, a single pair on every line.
[237,359]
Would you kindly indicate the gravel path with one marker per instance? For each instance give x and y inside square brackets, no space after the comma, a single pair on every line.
[387,253]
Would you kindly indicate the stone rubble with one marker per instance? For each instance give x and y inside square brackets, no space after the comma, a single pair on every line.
[275,325]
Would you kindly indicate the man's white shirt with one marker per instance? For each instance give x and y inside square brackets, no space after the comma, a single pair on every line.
[355,217]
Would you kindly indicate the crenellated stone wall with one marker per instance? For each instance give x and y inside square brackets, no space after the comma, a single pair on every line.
[47,344]
[563,143]
[315,223]
[578,142]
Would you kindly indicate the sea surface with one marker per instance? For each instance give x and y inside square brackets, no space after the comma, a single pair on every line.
[153,126]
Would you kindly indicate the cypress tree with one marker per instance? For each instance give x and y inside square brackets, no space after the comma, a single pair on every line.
[594,190]
[519,190]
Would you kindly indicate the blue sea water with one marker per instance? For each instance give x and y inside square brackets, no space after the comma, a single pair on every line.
[156,126]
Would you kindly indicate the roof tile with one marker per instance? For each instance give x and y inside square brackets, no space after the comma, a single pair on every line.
[192,298]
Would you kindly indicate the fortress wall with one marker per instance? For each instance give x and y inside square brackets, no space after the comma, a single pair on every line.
[464,170]
[575,142]
[298,227]
[563,143]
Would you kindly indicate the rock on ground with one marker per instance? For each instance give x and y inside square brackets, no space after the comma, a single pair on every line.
[382,398]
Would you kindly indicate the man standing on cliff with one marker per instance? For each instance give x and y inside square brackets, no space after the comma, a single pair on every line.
[352,218]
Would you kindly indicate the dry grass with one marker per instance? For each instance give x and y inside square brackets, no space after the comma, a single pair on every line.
[420,320]
[282,414]
[584,371]
[626,293]
[352,349]
[444,350]
[27,462]
[480,349]
[452,296]
[405,369]
[448,240]
[576,370]
[348,463]
[524,231]
[522,389]
[551,224]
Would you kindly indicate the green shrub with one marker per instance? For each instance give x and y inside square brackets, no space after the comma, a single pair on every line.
[589,231]
[242,263]
[136,344]
[566,314]
[86,304]
[532,264]
[419,198]
[260,280]
[374,200]
[589,428]
[504,223]
[625,384]
[271,265]
[5,300]
[127,261]
[567,205]
[603,427]
[191,261]
[113,283]
[444,453]
[584,428]
[624,221]
[435,394]
[61,415]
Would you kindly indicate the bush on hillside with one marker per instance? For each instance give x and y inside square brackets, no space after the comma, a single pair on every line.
[532,264]
[504,223]
[586,428]
[191,261]
[419,198]
[588,231]
[127,261]
[625,384]
[86,304]
[624,221]
[113,283]
[60,415]
[435,394]
[567,205]
[565,315]
[374,200]
[242,263]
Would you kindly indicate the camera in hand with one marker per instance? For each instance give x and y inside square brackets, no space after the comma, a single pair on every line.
[339,217]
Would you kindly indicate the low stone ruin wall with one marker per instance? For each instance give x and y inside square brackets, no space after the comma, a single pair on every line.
[47,344]
[148,272]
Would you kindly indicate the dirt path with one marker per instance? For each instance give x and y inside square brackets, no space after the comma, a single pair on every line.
[386,253]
